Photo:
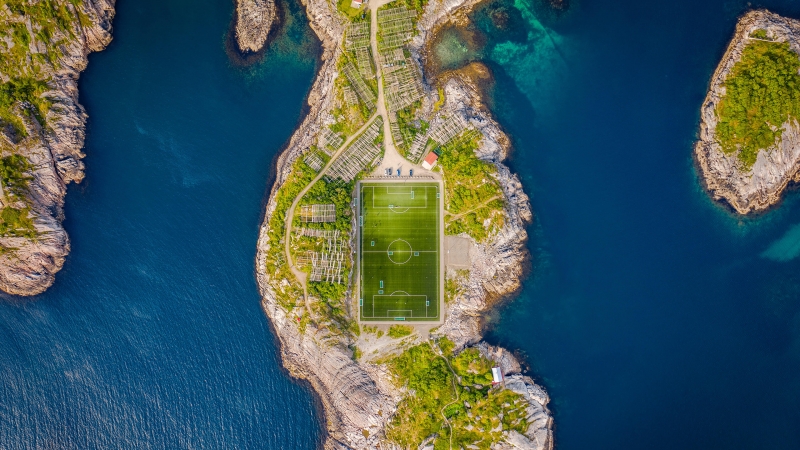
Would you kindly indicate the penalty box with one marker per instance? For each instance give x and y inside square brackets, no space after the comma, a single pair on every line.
[400,273]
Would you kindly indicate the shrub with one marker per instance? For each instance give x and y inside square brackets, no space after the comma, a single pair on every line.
[762,93]
[398,331]
[478,416]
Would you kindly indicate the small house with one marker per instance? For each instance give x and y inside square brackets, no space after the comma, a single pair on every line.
[430,161]
[497,376]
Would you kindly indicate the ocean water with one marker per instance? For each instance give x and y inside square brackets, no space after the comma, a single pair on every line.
[655,318]
[153,336]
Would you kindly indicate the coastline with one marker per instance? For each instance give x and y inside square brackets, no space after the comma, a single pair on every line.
[762,187]
[28,265]
[359,398]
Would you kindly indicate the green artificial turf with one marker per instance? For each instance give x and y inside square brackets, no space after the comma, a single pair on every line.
[399,257]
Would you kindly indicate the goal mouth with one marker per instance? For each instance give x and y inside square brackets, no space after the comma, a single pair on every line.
[401,306]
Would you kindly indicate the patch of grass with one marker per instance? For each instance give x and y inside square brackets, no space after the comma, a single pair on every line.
[25,91]
[288,291]
[762,93]
[759,34]
[399,331]
[454,286]
[477,413]
[473,197]
[14,175]
[409,124]
[16,222]
[439,101]
[353,14]
[417,5]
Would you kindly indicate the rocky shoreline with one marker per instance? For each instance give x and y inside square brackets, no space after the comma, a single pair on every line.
[758,188]
[28,266]
[359,397]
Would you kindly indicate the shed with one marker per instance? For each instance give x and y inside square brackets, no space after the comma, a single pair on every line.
[497,375]
[430,161]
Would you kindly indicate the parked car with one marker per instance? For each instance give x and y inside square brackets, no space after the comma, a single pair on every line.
[411,172]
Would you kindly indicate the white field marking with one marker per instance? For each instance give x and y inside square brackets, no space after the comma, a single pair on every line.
[410,251]
[401,189]
[389,311]
[418,251]
[403,193]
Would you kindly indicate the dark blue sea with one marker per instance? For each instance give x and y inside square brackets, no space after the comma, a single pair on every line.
[153,336]
[654,317]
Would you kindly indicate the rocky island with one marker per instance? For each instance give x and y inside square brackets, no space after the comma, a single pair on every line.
[252,23]
[749,147]
[44,47]
[373,116]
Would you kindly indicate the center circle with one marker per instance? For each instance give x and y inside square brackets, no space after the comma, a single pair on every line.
[399,251]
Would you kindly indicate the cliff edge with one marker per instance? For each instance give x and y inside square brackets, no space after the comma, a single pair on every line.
[755,185]
[42,130]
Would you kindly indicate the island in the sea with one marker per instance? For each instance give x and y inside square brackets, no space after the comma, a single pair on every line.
[44,47]
[392,228]
[749,147]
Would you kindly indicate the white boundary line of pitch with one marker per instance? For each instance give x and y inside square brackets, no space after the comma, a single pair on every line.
[439,238]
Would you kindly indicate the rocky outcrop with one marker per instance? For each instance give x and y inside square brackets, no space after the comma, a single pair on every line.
[254,20]
[359,397]
[755,189]
[28,267]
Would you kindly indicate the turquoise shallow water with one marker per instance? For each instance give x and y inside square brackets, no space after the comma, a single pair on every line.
[152,336]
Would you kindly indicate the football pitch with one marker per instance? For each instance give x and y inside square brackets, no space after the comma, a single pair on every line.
[399,251]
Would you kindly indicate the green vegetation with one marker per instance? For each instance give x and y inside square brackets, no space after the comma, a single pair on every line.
[399,331]
[339,193]
[762,93]
[477,413]
[16,222]
[349,118]
[473,198]
[454,286]
[13,173]
[354,14]
[399,251]
[22,91]
[439,101]
[53,23]
[417,5]
[276,267]
[759,34]
[408,123]
[25,90]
